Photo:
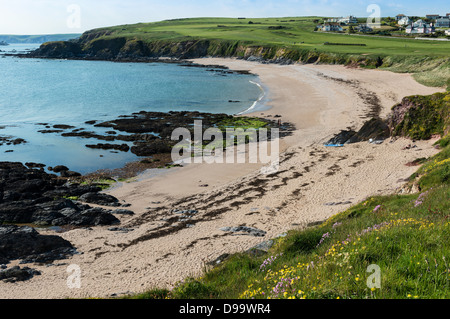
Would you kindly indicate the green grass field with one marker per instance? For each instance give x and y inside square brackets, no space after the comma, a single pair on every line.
[292,38]
[295,33]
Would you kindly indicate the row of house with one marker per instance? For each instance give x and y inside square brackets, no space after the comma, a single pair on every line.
[343,20]
[437,20]
[419,27]
[330,26]
[336,24]
[337,27]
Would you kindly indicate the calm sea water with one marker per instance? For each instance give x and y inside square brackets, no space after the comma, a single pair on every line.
[36,91]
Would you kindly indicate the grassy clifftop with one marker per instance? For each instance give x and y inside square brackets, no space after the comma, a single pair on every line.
[403,238]
[272,39]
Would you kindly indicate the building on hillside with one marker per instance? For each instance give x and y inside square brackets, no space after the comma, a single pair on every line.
[443,22]
[332,20]
[398,17]
[330,27]
[343,20]
[432,16]
[364,28]
[404,21]
[419,27]
[348,20]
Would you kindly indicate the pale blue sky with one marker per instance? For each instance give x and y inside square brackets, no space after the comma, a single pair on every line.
[61,16]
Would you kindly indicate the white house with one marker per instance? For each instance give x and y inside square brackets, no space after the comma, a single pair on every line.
[364,28]
[404,21]
[327,27]
[348,20]
[332,20]
[343,20]
[419,27]
[443,22]
[432,16]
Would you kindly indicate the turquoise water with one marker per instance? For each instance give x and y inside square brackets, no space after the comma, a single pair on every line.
[69,92]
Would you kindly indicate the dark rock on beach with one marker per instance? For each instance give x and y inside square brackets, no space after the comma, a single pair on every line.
[34,165]
[26,243]
[59,168]
[70,174]
[16,273]
[151,132]
[375,129]
[100,199]
[151,148]
[245,230]
[33,196]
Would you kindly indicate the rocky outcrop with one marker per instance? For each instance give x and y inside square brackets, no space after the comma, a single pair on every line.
[106,44]
[8,140]
[107,146]
[375,129]
[58,49]
[33,196]
[99,199]
[26,244]
[16,273]
[421,117]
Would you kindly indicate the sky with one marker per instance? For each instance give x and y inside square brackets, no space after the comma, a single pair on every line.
[77,16]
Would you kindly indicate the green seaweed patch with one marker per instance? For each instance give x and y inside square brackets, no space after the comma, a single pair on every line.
[242,122]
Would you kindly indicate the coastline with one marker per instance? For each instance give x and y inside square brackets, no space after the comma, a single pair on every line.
[310,177]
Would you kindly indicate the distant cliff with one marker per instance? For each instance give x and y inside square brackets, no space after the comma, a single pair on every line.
[102,44]
[38,38]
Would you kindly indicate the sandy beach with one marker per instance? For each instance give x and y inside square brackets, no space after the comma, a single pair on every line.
[157,247]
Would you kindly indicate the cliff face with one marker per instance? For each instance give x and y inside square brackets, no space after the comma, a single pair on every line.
[58,49]
[121,48]
[421,117]
[103,44]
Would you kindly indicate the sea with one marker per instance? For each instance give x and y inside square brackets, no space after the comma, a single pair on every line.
[36,94]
